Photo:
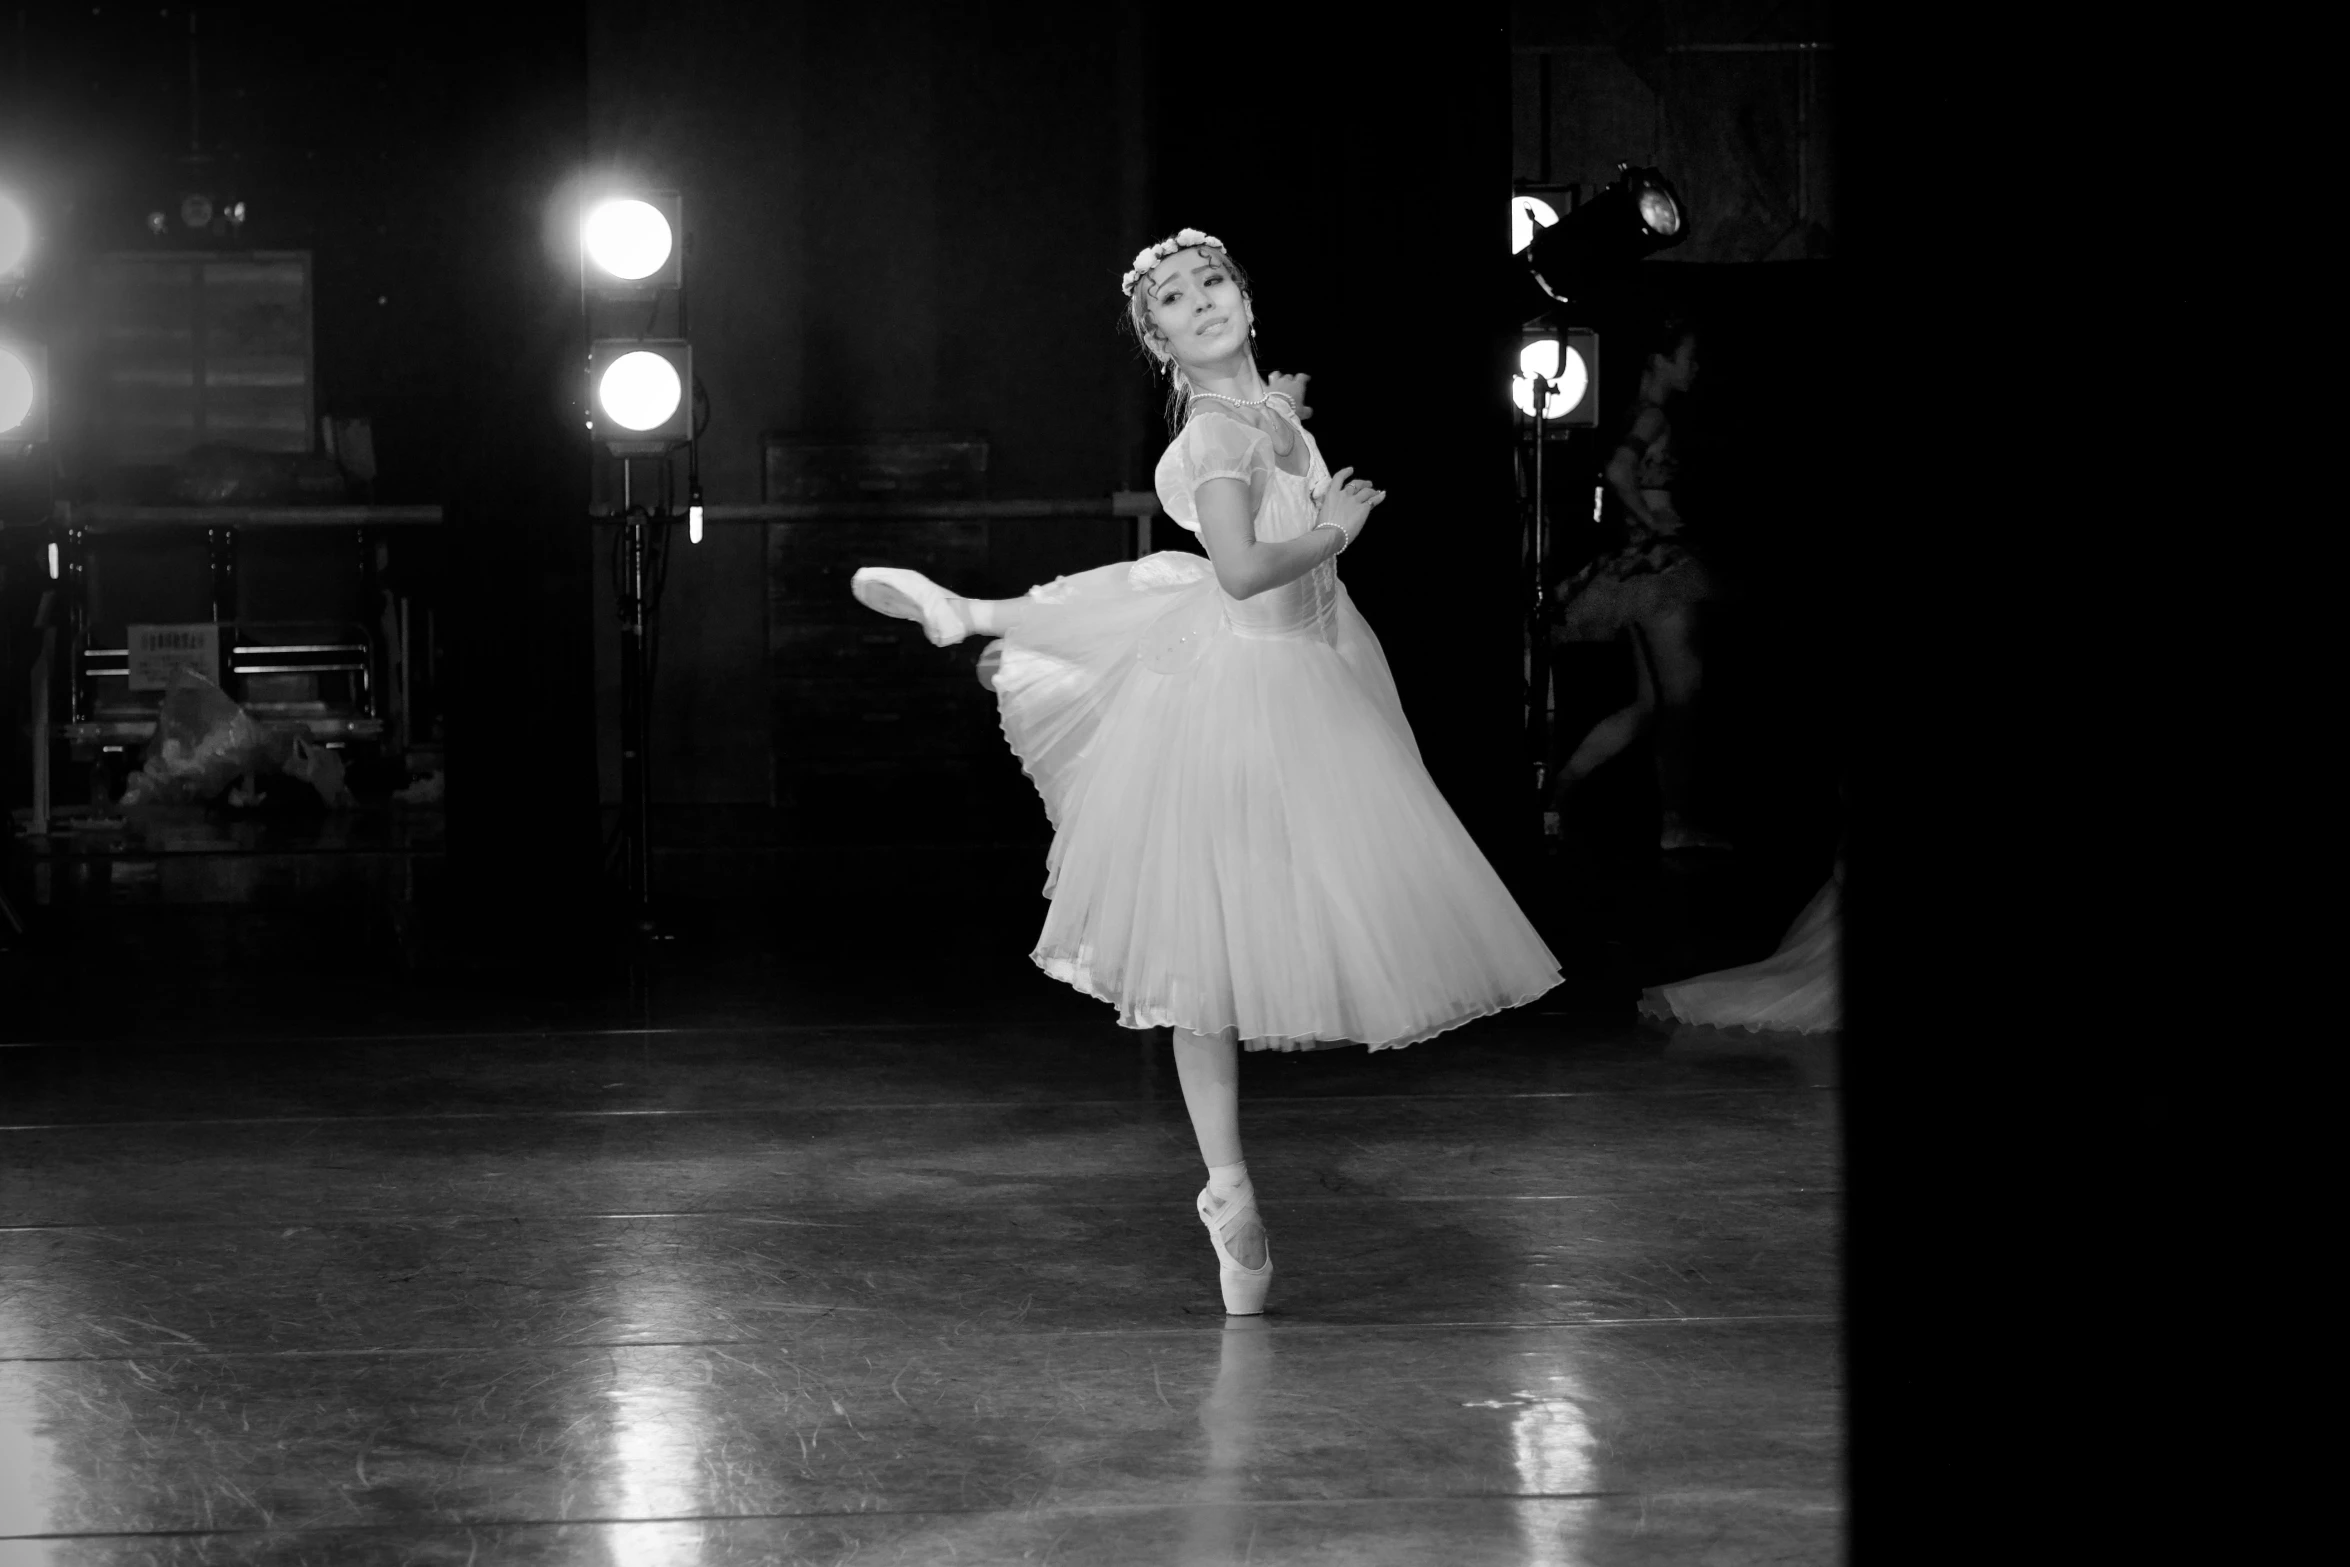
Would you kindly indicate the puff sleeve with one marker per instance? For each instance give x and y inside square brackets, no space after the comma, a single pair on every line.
[1212,447]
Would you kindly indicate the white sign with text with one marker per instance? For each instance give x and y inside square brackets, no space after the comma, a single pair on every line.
[157,650]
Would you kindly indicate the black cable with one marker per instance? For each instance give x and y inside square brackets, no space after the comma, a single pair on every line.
[657,533]
[619,576]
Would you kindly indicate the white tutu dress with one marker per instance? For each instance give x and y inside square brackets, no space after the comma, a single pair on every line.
[1798,989]
[1243,833]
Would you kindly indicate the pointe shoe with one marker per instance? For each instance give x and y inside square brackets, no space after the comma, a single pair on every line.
[909,595]
[1244,1288]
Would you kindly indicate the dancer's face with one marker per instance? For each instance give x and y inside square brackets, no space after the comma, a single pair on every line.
[1681,370]
[1198,310]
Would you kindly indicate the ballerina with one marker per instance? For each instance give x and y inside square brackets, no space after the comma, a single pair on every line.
[1645,591]
[1246,846]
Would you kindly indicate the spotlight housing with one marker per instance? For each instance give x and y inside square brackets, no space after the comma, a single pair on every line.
[24,394]
[1637,216]
[632,244]
[1569,362]
[639,394]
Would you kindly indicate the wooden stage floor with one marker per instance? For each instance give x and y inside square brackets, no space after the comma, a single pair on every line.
[870,1244]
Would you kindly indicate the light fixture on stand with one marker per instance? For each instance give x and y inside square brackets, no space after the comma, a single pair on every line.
[638,386]
[1561,371]
[1573,252]
[1556,390]
[629,245]
[642,407]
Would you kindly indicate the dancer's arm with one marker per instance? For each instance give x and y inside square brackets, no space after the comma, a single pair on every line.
[1247,565]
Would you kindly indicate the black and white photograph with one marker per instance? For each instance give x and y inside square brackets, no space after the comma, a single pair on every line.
[925,785]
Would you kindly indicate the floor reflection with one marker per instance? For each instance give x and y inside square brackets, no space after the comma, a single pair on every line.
[658,1420]
[1556,1457]
[29,1473]
[656,1463]
[1219,1526]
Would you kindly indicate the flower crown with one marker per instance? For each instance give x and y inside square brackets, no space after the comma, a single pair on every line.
[1151,255]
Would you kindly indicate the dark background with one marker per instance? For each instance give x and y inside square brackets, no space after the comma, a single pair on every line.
[912,217]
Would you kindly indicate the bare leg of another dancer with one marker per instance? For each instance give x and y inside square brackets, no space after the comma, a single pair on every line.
[1611,734]
[1208,1067]
[1677,673]
[1668,674]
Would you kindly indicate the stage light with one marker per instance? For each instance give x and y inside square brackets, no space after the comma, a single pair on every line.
[628,239]
[1529,215]
[52,560]
[637,388]
[1570,369]
[16,238]
[638,391]
[631,244]
[1583,252]
[24,401]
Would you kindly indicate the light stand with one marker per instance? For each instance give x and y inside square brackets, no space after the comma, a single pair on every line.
[1556,385]
[1539,674]
[637,593]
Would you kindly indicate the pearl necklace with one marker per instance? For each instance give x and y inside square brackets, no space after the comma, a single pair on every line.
[1242,402]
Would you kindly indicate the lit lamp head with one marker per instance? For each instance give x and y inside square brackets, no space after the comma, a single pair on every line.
[24,394]
[1637,216]
[630,246]
[1530,214]
[639,394]
[1566,366]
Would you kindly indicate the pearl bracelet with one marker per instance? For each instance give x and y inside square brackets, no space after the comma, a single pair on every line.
[1344,538]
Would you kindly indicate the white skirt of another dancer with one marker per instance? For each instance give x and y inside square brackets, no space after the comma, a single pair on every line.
[1797,989]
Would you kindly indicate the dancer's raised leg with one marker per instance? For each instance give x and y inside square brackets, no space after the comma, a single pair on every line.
[1208,1067]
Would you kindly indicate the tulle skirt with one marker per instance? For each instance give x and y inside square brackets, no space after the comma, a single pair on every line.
[1244,836]
[1797,989]
[1652,575]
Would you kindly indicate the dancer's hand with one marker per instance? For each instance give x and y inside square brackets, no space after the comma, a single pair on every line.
[1349,504]
[1292,387]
